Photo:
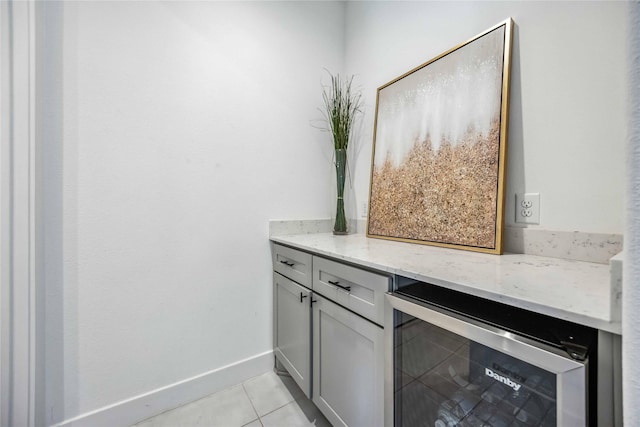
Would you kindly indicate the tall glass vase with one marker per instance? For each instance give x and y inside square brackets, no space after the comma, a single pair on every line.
[340,226]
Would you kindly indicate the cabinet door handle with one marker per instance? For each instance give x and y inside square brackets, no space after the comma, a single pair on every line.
[287,263]
[336,283]
[302,296]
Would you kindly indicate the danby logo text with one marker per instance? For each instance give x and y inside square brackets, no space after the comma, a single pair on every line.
[504,380]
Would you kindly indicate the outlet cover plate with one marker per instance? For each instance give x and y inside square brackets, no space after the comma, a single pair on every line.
[528,208]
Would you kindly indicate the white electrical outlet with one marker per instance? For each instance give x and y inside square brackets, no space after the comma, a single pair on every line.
[363,212]
[528,208]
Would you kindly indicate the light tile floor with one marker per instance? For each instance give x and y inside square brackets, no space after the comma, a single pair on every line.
[268,400]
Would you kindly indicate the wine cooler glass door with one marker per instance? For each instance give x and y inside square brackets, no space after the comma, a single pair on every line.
[450,371]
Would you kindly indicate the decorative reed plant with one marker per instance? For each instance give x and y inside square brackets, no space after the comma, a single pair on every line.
[341,105]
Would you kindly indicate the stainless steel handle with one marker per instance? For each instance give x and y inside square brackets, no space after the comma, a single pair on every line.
[543,356]
[336,283]
[287,263]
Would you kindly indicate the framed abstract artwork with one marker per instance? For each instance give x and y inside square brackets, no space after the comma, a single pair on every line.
[440,148]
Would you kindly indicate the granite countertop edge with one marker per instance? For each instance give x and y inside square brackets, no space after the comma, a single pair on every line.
[530,282]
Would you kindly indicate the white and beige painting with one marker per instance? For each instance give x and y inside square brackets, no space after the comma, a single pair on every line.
[437,149]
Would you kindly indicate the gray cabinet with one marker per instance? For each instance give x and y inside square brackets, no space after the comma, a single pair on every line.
[327,338]
[348,366]
[292,329]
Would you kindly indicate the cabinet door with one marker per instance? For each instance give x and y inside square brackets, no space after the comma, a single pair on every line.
[348,367]
[292,329]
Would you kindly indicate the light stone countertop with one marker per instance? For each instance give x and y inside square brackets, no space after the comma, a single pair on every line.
[577,291]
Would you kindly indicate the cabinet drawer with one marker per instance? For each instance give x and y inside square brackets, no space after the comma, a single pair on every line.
[294,264]
[359,290]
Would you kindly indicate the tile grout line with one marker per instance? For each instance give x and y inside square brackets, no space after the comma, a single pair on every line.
[279,407]
[294,400]
[252,405]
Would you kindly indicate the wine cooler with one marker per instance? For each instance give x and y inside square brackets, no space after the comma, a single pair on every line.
[460,360]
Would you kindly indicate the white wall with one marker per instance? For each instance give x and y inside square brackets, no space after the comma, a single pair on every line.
[631,273]
[568,109]
[175,131]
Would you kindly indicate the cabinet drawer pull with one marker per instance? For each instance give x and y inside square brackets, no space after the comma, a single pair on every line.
[302,296]
[336,283]
[287,263]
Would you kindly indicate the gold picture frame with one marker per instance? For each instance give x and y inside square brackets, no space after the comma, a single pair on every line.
[440,148]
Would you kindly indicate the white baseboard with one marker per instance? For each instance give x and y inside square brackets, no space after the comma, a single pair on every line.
[135,409]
